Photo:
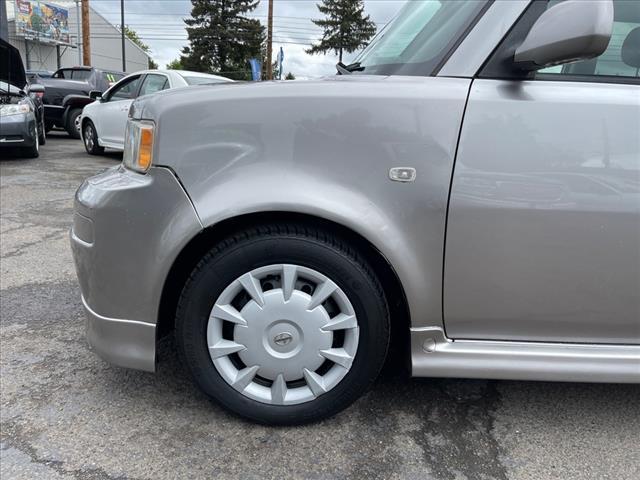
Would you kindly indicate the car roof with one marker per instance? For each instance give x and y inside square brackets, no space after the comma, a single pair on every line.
[181,73]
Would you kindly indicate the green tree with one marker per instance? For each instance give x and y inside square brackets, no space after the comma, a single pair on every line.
[290,76]
[221,38]
[133,36]
[175,65]
[345,27]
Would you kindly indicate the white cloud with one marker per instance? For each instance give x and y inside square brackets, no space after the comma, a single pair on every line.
[160,25]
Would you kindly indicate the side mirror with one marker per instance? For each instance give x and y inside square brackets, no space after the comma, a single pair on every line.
[95,94]
[569,31]
[36,88]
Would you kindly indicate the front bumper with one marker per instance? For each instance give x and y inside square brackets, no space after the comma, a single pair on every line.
[127,231]
[17,130]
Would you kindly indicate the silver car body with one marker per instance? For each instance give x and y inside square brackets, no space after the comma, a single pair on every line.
[109,114]
[512,265]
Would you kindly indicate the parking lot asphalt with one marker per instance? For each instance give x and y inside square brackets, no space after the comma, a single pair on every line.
[67,414]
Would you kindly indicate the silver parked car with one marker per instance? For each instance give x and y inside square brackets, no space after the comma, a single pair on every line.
[468,192]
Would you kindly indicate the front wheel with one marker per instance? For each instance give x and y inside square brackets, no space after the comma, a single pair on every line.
[90,138]
[73,123]
[34,150]
[283,324]
[42,134]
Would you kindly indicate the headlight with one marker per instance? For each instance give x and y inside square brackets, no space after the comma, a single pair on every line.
[14,109]
[138,145]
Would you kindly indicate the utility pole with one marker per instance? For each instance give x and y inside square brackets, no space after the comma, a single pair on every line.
[270,42]
[124,58]
[86,34]
[78,41]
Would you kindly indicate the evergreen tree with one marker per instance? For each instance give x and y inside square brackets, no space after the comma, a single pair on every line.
[175,65]
[346,27]
[221,38]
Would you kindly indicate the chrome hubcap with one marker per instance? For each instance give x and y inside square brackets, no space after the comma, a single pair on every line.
[283,334]
[77,123]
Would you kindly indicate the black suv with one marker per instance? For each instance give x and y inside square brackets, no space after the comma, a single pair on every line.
[67,91]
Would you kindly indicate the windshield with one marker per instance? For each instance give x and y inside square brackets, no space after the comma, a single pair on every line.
[420,37]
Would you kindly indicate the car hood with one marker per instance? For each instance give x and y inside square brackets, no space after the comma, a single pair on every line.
[151,106]
[11,67]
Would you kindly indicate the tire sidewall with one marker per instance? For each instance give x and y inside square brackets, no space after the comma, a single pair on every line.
[34,150]
[71,123]
[216,272]
[96,149]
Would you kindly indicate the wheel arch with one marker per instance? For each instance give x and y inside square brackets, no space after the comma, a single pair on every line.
[194,250]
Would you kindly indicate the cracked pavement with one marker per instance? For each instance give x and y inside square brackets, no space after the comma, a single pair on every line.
[66,414]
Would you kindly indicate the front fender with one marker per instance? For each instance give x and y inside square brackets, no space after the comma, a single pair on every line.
[325,149]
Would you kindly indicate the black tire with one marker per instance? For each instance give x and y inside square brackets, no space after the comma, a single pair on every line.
[284,244]
[42,135]
[90,139]
[48,126]
[34,150]
[70,126]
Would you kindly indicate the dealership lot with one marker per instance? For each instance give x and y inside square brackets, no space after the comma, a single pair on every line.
[67,414]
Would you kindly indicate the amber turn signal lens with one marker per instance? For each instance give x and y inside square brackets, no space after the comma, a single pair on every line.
[146,147]
[138,145]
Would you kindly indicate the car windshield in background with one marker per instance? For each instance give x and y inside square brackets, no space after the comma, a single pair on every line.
[202,80]
[420,37]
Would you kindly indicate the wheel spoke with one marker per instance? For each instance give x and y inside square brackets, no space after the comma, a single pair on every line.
[322,292]
[289,274]
[228,313]
[338,356]
[244,377]
[225,347]
[341,322]
[252,285]
[315,382]
[278,390]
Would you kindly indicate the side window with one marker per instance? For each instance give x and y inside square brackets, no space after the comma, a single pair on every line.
[65,73]
[80,74]
[622,57]
[154,83]
[125,91]
[619,63]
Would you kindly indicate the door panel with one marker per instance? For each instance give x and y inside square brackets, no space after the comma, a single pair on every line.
[543,237]
[113,120]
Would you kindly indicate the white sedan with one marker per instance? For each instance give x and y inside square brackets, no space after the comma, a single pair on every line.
[103,122]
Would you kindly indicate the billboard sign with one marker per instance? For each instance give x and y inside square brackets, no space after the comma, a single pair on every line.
[43,21]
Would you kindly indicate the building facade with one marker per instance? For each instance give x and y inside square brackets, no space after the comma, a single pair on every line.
[106,43]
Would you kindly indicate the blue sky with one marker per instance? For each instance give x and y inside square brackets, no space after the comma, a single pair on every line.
[160,24]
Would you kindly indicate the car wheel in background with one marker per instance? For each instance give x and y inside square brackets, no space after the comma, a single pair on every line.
[34,150]
[90,139]
[48,126]
[283,324]
[73,123]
